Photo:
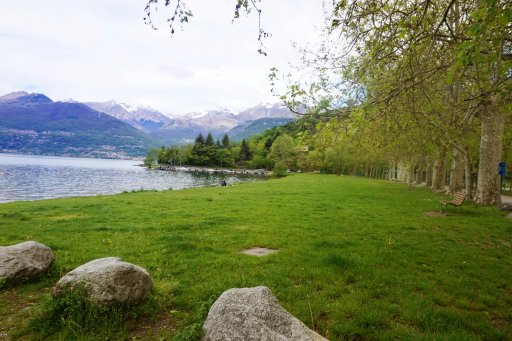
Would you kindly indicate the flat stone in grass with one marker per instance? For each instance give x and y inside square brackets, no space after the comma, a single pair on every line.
[509,216]
[107,281]
[435,214]
[258,251]
[24,261]
[253,314]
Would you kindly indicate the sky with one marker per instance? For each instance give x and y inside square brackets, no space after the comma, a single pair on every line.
[98,50]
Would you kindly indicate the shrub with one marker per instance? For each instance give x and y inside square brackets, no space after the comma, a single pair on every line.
[279,169]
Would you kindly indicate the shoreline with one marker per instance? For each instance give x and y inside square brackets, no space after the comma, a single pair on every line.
[35,178]
[226,171]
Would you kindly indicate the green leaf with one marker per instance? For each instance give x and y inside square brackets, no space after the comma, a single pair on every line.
[475,29]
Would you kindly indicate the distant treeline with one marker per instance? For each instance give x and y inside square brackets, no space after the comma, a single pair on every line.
[275,149]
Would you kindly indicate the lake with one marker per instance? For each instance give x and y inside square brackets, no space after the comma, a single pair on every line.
[29,177]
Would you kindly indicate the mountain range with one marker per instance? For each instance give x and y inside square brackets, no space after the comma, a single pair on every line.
[33,123]
[183,129]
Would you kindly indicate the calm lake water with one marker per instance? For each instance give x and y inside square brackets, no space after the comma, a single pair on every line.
[27,177]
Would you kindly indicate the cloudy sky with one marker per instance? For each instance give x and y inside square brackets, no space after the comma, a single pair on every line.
[97,50]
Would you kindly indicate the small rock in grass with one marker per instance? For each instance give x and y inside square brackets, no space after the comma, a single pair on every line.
[24,261]
[107,281]
[509,216]
[252,314]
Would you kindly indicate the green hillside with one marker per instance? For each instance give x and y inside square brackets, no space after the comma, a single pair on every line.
[246,130]
[36,125]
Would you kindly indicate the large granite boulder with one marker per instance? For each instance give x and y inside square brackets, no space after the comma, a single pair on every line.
[107,281]
[24,261]
[253,314]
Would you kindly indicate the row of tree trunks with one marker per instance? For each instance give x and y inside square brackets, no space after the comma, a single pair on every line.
[461,173]
[492,124]
[376,173]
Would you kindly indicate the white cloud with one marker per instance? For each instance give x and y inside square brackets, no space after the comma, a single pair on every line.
[100,49]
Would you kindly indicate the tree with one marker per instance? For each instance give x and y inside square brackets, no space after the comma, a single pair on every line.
[279,169]
[284,150]
[209,140]
[268,144]
[245,152]
[151,157]
[199,151]
[435,66]
[170,155]
[222,157]
[181,14]
[162,159]
[225,141]
[199,140]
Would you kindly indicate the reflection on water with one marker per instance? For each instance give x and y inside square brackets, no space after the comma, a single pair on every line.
[41,177]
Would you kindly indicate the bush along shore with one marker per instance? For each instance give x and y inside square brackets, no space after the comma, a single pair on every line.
[352,258]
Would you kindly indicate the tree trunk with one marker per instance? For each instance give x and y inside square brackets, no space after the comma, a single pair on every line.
[428,181]
[438,174]
[492,123]
[468,169]
[410,175]
[419,174]
[405,173]
[394,172]
[402,174]
[457,172]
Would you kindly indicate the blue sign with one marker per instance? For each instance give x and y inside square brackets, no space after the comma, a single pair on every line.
[502,168]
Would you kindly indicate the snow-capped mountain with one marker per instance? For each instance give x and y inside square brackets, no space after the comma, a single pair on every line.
[143,118]
[184,129]
[221,119]
[266,110]
[13,95]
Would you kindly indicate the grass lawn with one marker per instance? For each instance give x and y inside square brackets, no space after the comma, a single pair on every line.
[358,259]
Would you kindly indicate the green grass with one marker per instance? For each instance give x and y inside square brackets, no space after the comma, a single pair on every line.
[358,258]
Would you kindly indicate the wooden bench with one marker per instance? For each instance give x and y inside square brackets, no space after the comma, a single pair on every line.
[457,200]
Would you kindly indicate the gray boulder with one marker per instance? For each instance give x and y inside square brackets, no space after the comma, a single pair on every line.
[24,261]
[107,281]
[253,314]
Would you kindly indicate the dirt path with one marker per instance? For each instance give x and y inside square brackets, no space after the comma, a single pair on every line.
[506,199]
